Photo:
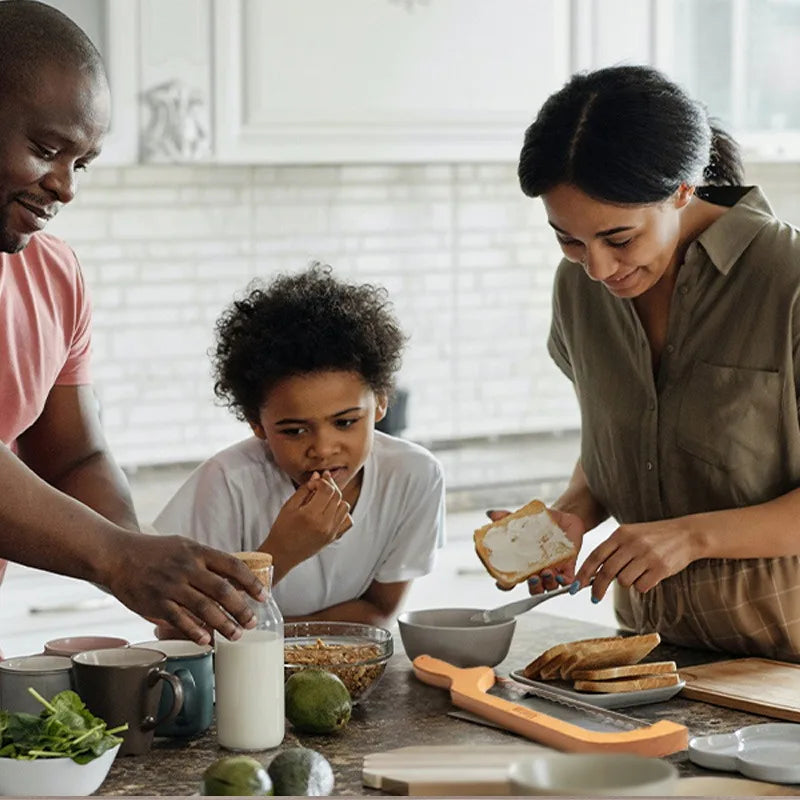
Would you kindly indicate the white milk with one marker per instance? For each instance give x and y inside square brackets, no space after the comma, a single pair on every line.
[249,688]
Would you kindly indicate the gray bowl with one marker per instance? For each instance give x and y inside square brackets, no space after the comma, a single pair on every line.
[448,634]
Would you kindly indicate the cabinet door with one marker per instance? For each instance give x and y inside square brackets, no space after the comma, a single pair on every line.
[383,80]
[741,58]
[113,25]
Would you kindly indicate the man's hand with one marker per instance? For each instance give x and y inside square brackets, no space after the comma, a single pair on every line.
[313,517]
[559,574]
[183,585]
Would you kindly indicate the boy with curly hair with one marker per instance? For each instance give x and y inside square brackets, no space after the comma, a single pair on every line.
[349,514]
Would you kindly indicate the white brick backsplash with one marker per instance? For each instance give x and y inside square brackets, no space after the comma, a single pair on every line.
[467,259]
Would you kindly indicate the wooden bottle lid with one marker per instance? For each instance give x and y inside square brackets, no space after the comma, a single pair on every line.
[255,560]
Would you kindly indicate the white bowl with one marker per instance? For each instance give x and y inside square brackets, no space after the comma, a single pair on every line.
[47,777]
[593,774]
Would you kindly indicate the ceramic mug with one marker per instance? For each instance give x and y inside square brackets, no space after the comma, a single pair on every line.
[123,684]
[48,675]
[69,645]
[192,664]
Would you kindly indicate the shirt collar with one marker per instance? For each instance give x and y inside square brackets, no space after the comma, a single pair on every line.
[729,236]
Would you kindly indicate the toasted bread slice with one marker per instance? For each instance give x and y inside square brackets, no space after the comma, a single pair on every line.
[552,656]
[629,684]
[599,653]
[522,544]
[640,670]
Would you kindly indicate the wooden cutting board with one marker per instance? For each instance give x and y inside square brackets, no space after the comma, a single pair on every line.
[757,685]
[480,771]
[446,770]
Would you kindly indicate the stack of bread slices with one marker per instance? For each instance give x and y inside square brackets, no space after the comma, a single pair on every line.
[607,664]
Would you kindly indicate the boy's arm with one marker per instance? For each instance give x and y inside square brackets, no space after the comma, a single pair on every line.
[377,606]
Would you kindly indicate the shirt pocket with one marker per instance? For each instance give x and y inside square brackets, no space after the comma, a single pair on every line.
[730,416]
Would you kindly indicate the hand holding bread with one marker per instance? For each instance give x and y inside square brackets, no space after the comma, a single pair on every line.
[521,545]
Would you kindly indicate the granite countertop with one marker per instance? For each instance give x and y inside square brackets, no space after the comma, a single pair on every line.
[401,711]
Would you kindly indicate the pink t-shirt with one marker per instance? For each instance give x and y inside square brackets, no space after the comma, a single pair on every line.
[45,331]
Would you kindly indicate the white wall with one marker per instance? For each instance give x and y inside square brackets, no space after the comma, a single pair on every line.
[468,261]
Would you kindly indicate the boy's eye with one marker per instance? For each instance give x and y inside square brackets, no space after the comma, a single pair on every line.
[345,423]
[292,431]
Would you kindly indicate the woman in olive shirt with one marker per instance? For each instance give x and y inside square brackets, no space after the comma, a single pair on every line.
[676,315]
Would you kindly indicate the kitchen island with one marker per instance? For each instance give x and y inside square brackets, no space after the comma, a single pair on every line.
[402,711]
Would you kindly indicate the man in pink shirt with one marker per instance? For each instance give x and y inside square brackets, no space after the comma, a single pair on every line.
[64,502]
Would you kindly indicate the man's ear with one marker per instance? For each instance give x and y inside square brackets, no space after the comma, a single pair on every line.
[257,429]
[381,406]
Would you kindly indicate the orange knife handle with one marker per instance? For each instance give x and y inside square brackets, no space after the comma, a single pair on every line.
[443,674]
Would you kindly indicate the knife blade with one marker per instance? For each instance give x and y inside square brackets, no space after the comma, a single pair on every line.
[511,610]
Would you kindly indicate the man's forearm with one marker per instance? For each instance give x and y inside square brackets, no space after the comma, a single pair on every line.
[44,528]
[99,483]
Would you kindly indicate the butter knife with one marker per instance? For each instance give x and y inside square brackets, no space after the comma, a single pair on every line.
[511,610]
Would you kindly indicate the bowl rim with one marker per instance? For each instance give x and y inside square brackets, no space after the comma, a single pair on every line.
[402,619]
[384,641]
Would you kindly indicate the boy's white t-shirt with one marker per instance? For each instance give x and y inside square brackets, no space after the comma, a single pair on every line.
[231,501]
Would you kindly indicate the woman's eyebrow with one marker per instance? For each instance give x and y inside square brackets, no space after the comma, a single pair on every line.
[599,234]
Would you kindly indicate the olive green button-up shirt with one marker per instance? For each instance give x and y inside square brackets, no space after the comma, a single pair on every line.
[716,427]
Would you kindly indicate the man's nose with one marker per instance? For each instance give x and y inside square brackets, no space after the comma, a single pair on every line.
[61,181]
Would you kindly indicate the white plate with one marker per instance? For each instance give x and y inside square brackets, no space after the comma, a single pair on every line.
[768,752]
[604,699]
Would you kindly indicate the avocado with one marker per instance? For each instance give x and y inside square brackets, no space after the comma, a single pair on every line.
[236,775]
[317,701]
[301,772]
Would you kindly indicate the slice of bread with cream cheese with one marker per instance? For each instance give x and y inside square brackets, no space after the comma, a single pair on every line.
[522,544]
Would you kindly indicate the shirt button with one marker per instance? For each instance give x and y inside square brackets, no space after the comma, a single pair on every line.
[649,466]
[651,405]
[684,289]
[669,348]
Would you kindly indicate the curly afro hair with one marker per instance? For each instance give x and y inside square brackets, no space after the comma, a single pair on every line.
[302,323]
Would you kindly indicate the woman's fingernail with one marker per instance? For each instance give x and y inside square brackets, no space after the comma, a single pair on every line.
[595,600]
[574,587]
[546,576]
[561,579]
[533,581]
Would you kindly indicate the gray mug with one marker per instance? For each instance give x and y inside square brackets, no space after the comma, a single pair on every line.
[123,684]
[48,675]
[192,664]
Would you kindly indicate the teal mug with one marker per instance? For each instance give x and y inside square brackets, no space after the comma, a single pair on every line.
[192,664]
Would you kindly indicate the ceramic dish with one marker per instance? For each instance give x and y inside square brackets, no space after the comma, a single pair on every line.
[768,752]
[607,699]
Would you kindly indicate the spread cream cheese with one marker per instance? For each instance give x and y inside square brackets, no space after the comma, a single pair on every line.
[525,540]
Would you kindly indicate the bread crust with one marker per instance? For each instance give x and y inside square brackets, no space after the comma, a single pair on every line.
[628,684]
[507,580]
[641,670]
[562,660]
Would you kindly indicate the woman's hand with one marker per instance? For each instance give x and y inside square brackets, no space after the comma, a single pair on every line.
[639,555]
[559,574]
[313,517]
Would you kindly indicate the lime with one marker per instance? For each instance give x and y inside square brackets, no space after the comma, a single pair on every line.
[301,772]
[317,701]
[236,775]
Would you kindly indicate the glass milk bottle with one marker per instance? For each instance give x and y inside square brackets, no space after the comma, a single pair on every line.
[248,673]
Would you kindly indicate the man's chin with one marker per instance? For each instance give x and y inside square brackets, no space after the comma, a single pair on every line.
[13,243]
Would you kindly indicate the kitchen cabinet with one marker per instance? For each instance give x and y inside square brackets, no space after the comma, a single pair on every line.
[382,80]
[113,25]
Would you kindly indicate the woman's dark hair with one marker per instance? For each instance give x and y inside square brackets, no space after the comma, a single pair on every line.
[625,134]
[303,323]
